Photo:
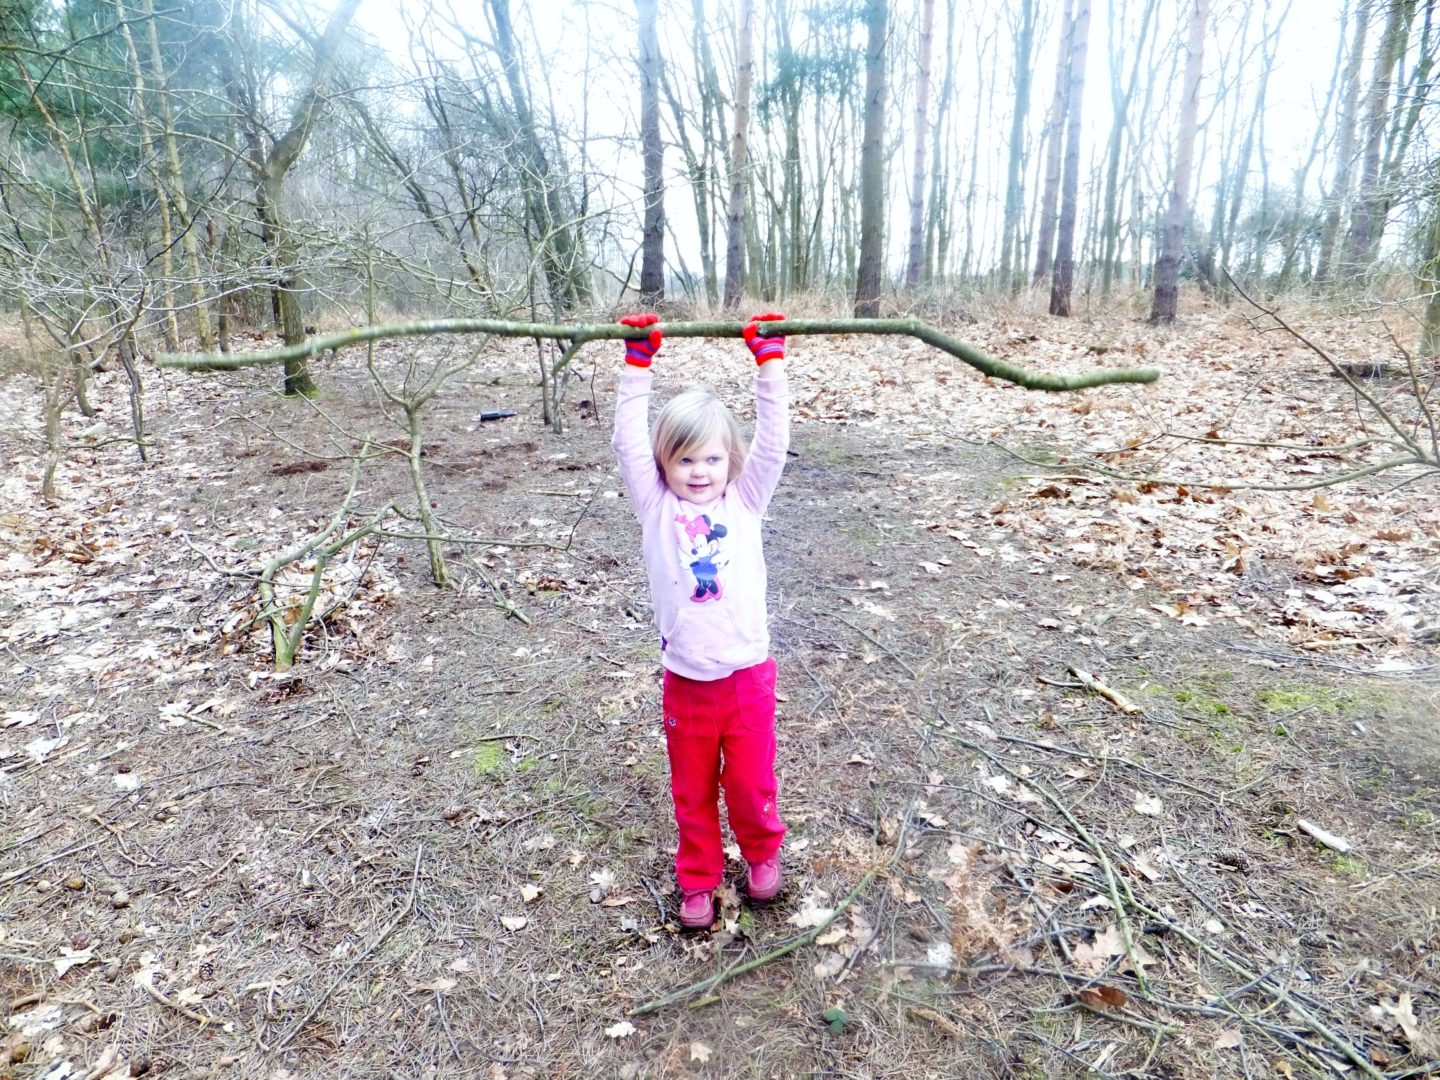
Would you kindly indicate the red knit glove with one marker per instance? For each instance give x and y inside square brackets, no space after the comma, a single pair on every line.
[763,348]
[641,351]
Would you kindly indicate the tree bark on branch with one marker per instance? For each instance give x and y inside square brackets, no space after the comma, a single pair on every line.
[579,335]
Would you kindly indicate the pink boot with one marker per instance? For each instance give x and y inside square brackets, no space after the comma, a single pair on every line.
[697,910]
[766,879]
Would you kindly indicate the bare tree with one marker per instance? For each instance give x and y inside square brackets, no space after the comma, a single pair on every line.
[915,262]
[1345,152]
[1120,98]
[270,158]
[739,158]
[555,228]
[652,244]
[1430,280]
[1167,267]
[1054,145]
[1064,277]
[175,175]
[1367,218]
[1015,158]
[871,268]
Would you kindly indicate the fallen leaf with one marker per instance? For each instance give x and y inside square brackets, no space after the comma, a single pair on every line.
[514,922]
[1228,1039]
[603,882]
[438,985]
[1402,1014]
[810,914]
[1150,871]
[1110,942]
[70,958]
[530,893]
[1149,805]
[699,1052]
[1103,997]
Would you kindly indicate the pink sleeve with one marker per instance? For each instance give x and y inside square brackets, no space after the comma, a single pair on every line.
[766,459]
[632,441]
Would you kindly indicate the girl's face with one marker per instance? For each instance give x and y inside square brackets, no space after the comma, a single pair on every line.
[699,474]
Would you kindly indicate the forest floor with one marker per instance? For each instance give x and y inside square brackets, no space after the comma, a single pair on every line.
[441,845]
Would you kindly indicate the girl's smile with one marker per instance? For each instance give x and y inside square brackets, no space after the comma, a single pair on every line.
[699,474]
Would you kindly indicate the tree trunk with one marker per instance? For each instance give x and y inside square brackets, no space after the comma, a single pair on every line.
[652,243]
[699,162]
[1430,282]
[1015,158]
[558,236]
[870,272]
[1367,218]
[1417,93]
[271,168]
[1054,145]
[1064,277]
[1345,151]
[1120,101]
[1297,227]
[938,200]
[189,243]
[914,264]
[739,158]
[139,106]
[1167,267]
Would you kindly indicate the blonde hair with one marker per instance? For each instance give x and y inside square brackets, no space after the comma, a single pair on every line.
[692,419]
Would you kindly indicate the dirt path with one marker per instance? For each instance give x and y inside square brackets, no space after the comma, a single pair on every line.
[441,847]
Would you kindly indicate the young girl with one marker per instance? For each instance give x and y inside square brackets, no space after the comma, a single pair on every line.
[699,497]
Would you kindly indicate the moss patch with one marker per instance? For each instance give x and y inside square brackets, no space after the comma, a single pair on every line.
[1347,866]
[489,760]
[1295,698]
[1199,701]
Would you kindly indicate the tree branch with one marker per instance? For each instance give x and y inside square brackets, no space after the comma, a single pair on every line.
[579,335]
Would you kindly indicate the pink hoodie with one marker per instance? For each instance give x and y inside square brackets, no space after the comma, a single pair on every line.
[706,564]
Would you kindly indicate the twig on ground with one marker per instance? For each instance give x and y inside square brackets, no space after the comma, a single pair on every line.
[74,849]
[190,1014]
[1107,869]
[1329,839]
[1106,759]
[736,970]
[1090,682]
[876,642]
[374,943]
[103,1064]
[1337,1041]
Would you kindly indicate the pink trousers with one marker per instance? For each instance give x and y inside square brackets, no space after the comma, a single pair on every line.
[722,734]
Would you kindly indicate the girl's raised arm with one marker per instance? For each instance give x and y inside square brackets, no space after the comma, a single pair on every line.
[632,408]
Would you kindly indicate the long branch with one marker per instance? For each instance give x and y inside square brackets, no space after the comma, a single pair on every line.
[580,334]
